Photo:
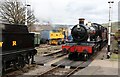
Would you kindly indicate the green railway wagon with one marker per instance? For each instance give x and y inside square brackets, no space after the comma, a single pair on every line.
[36,38]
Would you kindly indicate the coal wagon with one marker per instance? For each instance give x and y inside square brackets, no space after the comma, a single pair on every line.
[16,46]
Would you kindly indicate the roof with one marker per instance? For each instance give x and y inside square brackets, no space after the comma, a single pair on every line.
[38,28]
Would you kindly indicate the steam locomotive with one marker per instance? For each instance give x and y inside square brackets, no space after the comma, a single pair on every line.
[88,38]
[16,46]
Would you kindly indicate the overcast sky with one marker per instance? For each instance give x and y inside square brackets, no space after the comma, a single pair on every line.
[69,11]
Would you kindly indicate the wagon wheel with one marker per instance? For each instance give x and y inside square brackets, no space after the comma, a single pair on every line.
[59,42]
[3,67]
[20,63]
[48,42]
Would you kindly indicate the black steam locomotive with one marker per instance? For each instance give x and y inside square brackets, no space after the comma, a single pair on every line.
[16,46]
[88,38]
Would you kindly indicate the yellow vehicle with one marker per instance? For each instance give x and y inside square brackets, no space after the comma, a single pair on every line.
[53,36]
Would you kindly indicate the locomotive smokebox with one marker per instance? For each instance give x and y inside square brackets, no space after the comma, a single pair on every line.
[81,21]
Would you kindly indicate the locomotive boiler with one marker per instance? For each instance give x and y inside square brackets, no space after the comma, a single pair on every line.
[84,32]
[87,39]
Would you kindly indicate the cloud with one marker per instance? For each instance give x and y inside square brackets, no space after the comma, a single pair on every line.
[69,11]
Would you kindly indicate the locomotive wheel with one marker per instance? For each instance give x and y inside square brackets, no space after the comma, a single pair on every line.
[64,42]
[70,56]
[73,56]
[85,56]
[65,51]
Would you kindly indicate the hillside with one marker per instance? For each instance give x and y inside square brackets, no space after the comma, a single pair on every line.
[114,26]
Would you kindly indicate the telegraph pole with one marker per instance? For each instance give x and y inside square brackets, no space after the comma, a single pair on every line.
[109,29]
[26,12]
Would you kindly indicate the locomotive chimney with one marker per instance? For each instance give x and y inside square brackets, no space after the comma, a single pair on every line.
[81,21]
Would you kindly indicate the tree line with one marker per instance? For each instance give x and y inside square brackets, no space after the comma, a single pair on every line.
[13,12]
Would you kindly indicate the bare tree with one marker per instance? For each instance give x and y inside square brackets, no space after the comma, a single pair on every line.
[13,12]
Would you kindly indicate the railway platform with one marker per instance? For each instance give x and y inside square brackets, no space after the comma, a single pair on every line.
[101,66]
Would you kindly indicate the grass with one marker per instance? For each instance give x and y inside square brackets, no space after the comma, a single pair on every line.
[114,26]
[115,56]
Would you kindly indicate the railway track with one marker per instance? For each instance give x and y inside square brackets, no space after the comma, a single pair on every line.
[61,71]
[57,70]
[16,72]
[46,46]
[41,60]
[58,53]
[55,52]
[66,72]
[47,49]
